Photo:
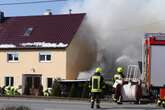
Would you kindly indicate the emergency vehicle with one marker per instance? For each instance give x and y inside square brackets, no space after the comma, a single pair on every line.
[154,66]
[151,80]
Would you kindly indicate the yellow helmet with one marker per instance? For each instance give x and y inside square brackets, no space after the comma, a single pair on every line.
[120,70]
[98,70]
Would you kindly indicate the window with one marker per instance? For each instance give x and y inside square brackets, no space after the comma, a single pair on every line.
[12,56]
[28,31]
[9,81]
[49,82]
[44,57]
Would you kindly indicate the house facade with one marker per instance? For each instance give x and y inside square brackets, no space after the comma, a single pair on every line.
[35,50]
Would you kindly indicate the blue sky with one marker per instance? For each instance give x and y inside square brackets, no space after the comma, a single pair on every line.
[32,9]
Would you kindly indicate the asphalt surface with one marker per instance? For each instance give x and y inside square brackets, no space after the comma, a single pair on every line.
[62,104]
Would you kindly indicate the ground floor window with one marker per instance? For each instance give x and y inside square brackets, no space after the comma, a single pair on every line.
[9,81]
[49,82]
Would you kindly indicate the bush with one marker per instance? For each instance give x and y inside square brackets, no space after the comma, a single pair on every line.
[72,92]
[47,92]
[56,91]
[11,91]
[85,91]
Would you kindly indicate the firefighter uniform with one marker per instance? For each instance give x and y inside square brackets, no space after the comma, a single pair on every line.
[118,81]
[96,85]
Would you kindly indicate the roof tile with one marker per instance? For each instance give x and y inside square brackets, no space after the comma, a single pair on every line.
[49,29]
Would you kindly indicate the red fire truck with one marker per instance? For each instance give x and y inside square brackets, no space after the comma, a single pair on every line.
[154,65]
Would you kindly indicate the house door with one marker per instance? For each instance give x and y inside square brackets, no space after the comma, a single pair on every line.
[32,84]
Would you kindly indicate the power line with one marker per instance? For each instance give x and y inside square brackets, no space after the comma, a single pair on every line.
[22,3]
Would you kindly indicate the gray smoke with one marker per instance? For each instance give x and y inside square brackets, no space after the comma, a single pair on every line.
[118,27]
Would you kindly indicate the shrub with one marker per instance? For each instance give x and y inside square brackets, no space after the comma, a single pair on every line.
[47,92]
[72,92]
[56,91]
[85,91]
[64,90]
[11,91]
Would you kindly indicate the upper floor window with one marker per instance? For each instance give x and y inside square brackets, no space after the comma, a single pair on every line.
[13,56]
[45,57]
[9,81]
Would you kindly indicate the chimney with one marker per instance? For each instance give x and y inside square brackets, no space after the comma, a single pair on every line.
[70,11]
[48,12]
[2,17]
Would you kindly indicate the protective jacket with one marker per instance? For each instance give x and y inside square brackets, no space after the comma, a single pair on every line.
[96,83]
[118,79]
[118,76]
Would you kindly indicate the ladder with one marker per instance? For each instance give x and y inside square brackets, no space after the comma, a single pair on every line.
[133,73]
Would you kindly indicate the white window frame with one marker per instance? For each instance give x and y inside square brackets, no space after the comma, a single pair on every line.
[45,56]
[14,55]
[10,77]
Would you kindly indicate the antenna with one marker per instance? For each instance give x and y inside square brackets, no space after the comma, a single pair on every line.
[48,12]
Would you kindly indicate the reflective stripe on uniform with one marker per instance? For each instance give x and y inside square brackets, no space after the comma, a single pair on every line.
[96,84]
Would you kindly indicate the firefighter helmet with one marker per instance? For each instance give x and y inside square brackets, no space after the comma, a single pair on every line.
[98,70]
[120,70]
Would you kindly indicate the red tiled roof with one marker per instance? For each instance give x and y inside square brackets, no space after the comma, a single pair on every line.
[46,28]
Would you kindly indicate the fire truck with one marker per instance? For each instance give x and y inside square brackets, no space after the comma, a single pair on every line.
[151,81]
[153,65]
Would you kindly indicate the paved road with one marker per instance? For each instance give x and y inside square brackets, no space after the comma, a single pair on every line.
[60,104]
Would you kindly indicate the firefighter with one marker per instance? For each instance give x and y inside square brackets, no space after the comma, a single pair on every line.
[118,81]
[96,85]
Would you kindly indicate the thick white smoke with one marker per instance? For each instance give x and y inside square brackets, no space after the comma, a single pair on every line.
[118,26]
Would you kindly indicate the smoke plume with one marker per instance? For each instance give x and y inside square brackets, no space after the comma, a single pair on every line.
[118,27]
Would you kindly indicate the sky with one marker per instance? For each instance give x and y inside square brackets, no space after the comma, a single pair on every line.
[107,23]
[33,9]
